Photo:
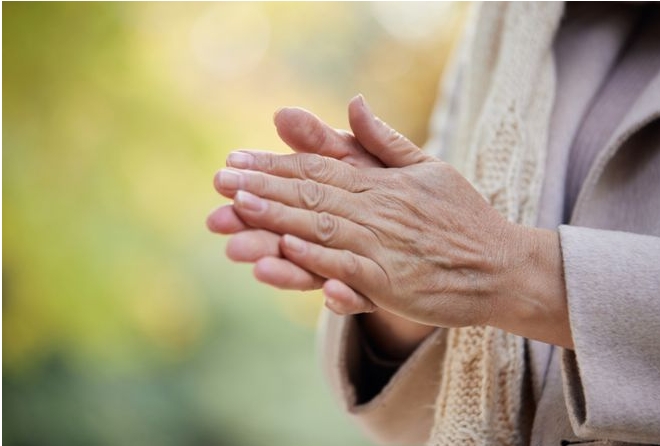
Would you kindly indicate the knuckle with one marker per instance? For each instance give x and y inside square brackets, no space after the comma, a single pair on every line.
[310,194]
[256,182]
[443,167]
[349,264]
[266,162]
[326,227]
[318,135]
[352,181]
[394,137]
[315,167]
[397,178]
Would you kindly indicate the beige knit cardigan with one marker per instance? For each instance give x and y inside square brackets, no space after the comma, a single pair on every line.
[499,142]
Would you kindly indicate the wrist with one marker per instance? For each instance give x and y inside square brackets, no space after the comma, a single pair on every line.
[531,297]
[392,336]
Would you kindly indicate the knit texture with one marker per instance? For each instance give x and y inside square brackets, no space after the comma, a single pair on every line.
[505,102]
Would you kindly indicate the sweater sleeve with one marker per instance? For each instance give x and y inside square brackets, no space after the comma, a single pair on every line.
[612,378]
[402,411]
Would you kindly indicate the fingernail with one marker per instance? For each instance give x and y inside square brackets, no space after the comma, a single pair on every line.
[229,179]
[240,160]
[248,201]
[294,243]
[363,101]
[277,112]
[330,302]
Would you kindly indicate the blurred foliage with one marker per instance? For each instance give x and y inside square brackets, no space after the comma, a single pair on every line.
[123,323]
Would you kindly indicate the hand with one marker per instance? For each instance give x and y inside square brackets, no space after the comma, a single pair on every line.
[303,132]
[410,239]
[418,240]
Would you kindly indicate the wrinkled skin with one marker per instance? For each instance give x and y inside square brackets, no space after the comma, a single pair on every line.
[415,239]
[303,132]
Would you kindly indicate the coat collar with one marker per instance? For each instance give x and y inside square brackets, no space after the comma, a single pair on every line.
[645,110]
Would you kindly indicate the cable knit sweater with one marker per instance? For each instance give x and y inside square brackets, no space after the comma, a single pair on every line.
[607,87]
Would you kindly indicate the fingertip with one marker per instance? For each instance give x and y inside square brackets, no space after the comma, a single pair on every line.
[305,132]
[358,109]
[364,124]
[246,201]
[227,181]
[359,104]
[267,270]
[210,225]
[215,225]
[335,289]
[239,159]
[342,298]
[282,274]
[335,298]
[357,101]
[282,116]
[277,112]
[261,270]
[237,250]
[334,306]
[289,119]
[252,245]
[216,181]
[381,140]
[293,245]
[342,309]
[224,220]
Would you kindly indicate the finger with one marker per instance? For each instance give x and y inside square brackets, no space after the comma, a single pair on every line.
[382,141]
[225,221]
[303,166]
[342,299]
[252,245]
[303,194]
[305,132]
[357,272]
[324,228]
[256,245]
[283,274]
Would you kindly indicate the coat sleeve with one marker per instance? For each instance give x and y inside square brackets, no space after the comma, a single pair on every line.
[402,411]
[612,378]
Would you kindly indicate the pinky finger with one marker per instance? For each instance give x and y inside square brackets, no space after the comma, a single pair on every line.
[283,274]
[359,273]
[343,300]
[225,221]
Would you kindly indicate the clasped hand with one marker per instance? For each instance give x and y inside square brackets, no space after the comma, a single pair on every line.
[416,239]
[380,225]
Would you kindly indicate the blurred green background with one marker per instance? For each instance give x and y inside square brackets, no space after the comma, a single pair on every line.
[123,323]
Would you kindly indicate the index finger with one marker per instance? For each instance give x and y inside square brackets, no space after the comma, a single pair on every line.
[306,166]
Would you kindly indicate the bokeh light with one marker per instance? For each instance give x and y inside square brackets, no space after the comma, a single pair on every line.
[123,322]
[230,42]
[417,24]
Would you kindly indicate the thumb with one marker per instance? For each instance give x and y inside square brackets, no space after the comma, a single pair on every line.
[381,140]
[305,132]
[343,300]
